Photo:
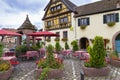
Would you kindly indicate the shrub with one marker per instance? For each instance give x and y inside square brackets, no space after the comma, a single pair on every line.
[33,48]
[38,44]
[74,43]
[4,65]
[66,46]
[58,47]
[21,50]
[97,53]
[1,49]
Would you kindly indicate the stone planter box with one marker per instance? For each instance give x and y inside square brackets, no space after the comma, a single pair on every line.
[52,74]
[94,72]
[115,63]
[5,75]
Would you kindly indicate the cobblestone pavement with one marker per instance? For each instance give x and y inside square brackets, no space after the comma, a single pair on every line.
[25,71]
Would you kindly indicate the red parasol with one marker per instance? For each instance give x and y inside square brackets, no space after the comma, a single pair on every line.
[43,33]
[8,33]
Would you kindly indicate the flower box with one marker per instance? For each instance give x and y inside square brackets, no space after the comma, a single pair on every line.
[64,39]
[111,24]
[94,72]
[57,39]
[52,74]
[5,75]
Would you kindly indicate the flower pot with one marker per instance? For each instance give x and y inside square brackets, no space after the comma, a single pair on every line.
[94,72]
[52,74]
[115,62]
[5,75]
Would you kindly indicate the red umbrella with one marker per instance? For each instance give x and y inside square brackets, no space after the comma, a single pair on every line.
[43,33]
[8,33]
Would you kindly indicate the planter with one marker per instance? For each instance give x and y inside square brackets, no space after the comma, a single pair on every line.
[94,72]
[52,74]
[5,75]
[111,24]
[115,63]
[83,27]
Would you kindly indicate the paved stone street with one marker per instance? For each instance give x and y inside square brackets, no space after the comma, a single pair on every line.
[25,71]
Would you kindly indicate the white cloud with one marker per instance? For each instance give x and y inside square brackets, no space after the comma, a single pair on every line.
[13,17]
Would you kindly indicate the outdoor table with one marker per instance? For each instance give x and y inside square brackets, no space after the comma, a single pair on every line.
[32,54]
[9,53]
[42,52]
[66,53]
[8,58]
[79,54]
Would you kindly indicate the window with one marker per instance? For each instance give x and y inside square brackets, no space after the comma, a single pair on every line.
[59,7]
[49,23]
[64,20]
[83,21]
[111,18]
[56,8]
[65,34]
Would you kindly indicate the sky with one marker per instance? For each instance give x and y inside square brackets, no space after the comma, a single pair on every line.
[13,12]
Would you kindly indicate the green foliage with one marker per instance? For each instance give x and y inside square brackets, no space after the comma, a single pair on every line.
[97,53]
[50,60]
[1,49]
[44,73]
[38,44]
[115,53]
[4,65]
[21,50]
[34,48]
[66,46]
[74,43]
[58,47]
[111,24]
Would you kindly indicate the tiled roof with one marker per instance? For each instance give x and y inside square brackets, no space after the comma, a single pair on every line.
[97,7]
[68,3]
[27,25]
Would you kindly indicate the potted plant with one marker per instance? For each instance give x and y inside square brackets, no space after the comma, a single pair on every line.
[57,39]
[114,59]
[49,67]
[66,46]
[97,65]
[83,26]
[58,47]
[5,70]
[111,24]
[74,43]
[1,49]
[64,39]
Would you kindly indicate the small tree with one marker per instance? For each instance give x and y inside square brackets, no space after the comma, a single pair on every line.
[74,43]
[38,44]
[1,49]
[66,46]
[58,47]
[97,53]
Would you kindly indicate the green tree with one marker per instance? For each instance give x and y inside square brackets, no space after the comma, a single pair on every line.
[97,53]
[66,46]
[58,47]
[74,43]
[1,49]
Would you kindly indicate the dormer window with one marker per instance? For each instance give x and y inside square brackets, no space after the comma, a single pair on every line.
[56,8]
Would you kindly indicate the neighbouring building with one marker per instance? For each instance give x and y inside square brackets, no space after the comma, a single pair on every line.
[59,18]
[100,18]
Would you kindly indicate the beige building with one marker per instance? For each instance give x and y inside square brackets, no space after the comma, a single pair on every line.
[95,19]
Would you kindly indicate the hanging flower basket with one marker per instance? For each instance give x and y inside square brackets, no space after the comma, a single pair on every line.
[48,40]
[57,39]
[64,39]
[83,27]
[111,24]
